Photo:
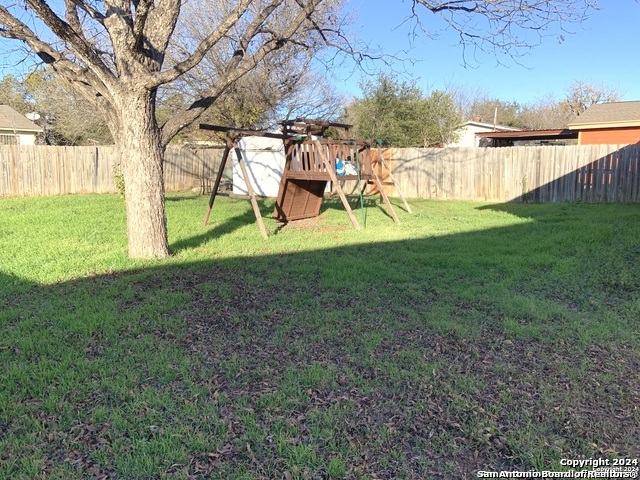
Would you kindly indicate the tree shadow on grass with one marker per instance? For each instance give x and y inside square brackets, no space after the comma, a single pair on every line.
[437,357]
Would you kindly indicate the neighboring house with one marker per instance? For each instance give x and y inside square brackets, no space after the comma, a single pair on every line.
[16,129]
[609,123]
[467,132]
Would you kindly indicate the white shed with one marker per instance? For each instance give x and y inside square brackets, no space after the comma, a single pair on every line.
[264,159]
[467,133]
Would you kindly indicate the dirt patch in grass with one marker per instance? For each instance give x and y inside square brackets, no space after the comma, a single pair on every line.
[318,224]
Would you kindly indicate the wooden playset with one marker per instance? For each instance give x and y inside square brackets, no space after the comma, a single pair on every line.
[311,161]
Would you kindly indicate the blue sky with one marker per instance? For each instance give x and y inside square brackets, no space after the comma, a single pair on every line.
[603,50]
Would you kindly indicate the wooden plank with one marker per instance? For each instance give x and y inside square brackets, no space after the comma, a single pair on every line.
[393,180]
[278,212]
[4,174]
[614,176]
[603,179]
[635,176]
[300,199]
[597,191]
[620,177]
[252,196]
[341,194]
[573,165]
[216,185]
[626,174]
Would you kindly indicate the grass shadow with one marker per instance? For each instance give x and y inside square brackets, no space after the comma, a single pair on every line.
[173,197]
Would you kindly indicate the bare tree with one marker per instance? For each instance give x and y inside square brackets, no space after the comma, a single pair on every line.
[287,85]
[545,113]
[313,97]
[115,53]
[66,117]
[505,26]
[582,94]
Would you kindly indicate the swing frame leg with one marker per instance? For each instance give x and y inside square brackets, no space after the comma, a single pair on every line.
[384,196]
[252,196]
[245,174]
[216,185]
[393,180]
[334,179]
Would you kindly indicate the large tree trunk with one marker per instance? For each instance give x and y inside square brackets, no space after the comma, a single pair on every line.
[141,158]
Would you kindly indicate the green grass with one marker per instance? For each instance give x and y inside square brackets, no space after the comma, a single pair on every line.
[470,337]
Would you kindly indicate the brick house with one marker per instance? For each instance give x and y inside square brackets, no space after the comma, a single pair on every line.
[609,123]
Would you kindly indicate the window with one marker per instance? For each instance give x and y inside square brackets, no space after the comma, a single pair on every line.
[8,139]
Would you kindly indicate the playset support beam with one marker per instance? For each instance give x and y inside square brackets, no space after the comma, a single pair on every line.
[393,180]
[232,143]
[216,185]
[308,167]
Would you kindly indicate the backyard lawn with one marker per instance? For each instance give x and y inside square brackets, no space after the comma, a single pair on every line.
[472,337]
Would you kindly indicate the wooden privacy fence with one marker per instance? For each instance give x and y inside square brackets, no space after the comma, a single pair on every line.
[29,170]
[589,173]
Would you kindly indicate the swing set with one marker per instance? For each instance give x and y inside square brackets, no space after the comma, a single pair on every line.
[311,162]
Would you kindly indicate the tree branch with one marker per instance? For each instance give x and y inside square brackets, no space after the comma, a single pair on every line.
[92,12]
[85,51]
[72,72]
[72,16]
[158,28]
[453,6]
[493,25]
[201,50]
[235,70]
[143,7]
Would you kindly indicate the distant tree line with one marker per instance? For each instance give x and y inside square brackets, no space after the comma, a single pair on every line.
[252,102]
[402,115]
[398,112]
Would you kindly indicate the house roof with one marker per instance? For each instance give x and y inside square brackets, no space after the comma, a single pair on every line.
[14,121]
[608,115]
[531,134]
[489,126]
